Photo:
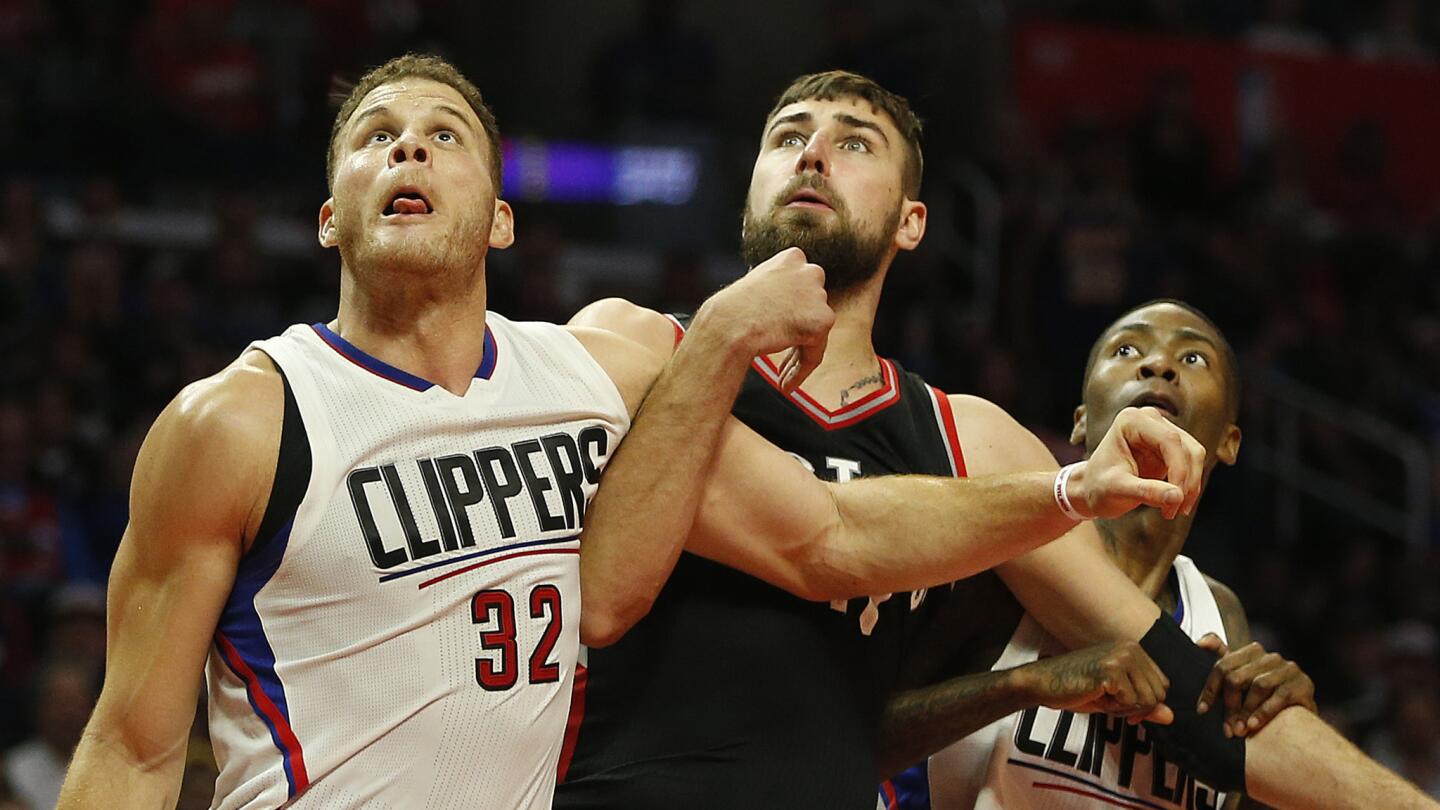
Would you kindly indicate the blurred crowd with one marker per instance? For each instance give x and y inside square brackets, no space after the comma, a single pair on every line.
[1388,30]
[135,255]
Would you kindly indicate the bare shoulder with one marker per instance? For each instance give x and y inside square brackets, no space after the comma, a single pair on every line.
[214,448]
[993,442]
[631,366]
[1232,613]
[643,325]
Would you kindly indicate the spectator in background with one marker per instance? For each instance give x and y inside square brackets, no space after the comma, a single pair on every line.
[1394,35]
[659,74]
[77,625]
[1281,29]
[65,695]
[1172,153]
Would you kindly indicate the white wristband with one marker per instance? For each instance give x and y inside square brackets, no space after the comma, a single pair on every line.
[1062,496]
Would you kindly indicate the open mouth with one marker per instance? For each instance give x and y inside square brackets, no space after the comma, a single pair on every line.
[408,201]
[808,198]
[1157,400]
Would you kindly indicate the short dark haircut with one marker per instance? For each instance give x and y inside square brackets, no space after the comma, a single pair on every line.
[838,84]
[1232,361]
[424,66]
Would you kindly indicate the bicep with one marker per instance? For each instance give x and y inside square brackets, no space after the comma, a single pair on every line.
[195,494]
[761,510]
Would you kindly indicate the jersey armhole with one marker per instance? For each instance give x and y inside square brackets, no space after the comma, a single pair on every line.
[292,473]
[679,326]
[945,420]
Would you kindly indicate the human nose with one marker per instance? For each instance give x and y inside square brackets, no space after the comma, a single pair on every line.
[1157,365]
[409,148]
[815,156]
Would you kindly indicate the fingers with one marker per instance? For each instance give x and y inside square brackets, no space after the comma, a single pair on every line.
[1180,467]
[1213,643]
[800,361]
[1149,434]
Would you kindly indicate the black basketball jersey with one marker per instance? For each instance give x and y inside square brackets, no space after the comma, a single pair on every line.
[732,693]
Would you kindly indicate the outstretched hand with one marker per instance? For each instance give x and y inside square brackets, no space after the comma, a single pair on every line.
[1143,460]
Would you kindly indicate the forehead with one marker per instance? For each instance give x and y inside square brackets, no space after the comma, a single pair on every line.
[823,111]
[1164,319]
[415,95]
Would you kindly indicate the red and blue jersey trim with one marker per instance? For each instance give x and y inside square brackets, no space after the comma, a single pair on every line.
[243,646]
[380,368]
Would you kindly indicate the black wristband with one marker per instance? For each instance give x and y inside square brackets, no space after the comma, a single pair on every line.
[1194,741]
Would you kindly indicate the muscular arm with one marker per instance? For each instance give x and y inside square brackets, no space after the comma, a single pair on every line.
[1295,761]
[201,482]
[636,526]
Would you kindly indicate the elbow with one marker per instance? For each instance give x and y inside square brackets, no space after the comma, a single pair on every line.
[604,624]
[819,572]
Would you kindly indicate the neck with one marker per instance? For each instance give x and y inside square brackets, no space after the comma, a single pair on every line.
[850,368]
[432,328]
[1144,545]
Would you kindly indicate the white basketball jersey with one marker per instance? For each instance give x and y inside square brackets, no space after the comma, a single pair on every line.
[1051,759]
[408,637]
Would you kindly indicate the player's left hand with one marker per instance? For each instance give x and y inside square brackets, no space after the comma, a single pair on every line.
[1143,460]
[1257,685]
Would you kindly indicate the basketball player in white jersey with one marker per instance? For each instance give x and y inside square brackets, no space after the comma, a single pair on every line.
[371,528]
[1167,355]
[849,165]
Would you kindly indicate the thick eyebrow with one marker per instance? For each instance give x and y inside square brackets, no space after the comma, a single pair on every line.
[1198,336]
[861,123]
[792,118]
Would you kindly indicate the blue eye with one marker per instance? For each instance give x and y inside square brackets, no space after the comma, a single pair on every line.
[791,139]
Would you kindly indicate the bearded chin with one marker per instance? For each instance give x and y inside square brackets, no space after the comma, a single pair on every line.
[848,258]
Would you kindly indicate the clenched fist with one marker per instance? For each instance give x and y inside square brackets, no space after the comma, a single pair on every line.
[780,304]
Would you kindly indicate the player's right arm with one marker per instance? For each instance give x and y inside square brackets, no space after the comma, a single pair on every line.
[200,486]
[1117,678]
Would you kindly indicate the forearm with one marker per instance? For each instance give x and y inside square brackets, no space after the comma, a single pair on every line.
[1077,593]
[105,773]
[920,722]
[1300,761]
[638,521]
[908,532]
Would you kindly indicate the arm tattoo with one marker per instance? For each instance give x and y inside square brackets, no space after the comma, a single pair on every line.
[860,383]
[919,722]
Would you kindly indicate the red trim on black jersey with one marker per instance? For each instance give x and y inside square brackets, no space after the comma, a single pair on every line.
[946,416]
[859,410]
[573,722]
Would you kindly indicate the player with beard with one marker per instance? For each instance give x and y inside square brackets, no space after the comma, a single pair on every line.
[367,532]
[731,693]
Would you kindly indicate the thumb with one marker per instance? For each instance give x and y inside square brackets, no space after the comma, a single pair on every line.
[1160,715]
[1147,491]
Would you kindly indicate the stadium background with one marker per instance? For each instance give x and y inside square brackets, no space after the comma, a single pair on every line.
[1271,161]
